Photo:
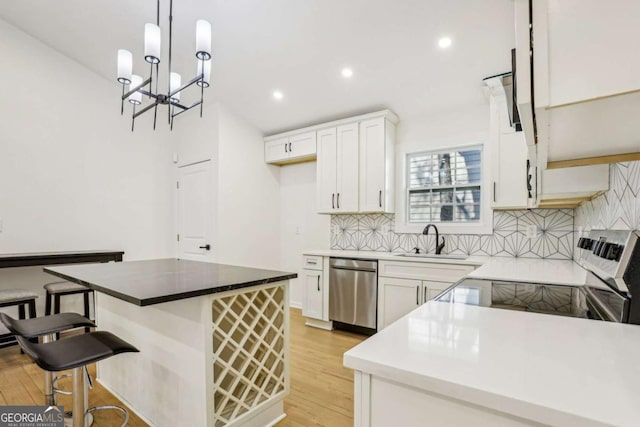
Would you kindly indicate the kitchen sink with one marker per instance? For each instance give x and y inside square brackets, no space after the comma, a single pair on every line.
[434,256]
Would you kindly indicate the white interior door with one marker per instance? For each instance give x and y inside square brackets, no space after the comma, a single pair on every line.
[195,212]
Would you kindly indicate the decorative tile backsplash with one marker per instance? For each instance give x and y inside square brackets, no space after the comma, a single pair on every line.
[375,233]
[618,208]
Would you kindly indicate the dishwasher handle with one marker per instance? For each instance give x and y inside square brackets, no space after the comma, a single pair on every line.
[369,270]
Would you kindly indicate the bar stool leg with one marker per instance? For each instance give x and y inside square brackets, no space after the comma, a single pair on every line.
[32,309]
[79,398]
[47,304]
[56,309]
[86,310]
[49,394]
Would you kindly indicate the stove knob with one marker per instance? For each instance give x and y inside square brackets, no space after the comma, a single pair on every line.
[597,246]
[581,242]
[613,252]
[587,243]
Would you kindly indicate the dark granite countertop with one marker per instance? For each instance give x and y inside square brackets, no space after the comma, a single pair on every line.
[26,259]
[163,280]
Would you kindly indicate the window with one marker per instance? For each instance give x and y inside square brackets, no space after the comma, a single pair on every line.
[444,186]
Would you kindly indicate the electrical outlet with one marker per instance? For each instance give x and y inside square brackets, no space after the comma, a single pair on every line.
[298,232]
[531,231]
[0,225]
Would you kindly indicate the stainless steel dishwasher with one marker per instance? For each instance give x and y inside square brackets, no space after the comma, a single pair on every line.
[353,292]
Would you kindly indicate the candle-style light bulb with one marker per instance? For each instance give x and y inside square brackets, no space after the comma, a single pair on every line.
[203,39]
[125,66]
[207,73]
[175,81]
[152,43]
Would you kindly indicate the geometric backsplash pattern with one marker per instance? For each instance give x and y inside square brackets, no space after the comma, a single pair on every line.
[374,232]
[618,208]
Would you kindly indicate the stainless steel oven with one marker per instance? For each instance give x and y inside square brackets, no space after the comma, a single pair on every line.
[353,292]
[612,261]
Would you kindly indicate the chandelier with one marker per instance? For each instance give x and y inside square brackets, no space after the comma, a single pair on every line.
[137,87]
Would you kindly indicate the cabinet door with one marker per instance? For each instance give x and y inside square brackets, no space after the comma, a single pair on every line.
[397,297]
[510,173]
[347,169]
[326,170]
[312,306]
[277,150]
[372,165]
[303,145]
[431,289]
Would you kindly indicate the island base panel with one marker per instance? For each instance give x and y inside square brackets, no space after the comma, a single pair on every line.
[216,360]
[379,402]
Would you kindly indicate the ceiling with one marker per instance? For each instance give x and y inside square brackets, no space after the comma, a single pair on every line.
[298,47]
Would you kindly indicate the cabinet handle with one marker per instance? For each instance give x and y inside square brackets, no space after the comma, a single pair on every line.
[424,297]
[290,147]
[318,283]
[494,191]
[285,148]
[417,295]
[338,201]
[312,262]
[380,198]
[333,200]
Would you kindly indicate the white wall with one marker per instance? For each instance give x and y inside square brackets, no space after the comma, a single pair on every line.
[301,228]
[72,174]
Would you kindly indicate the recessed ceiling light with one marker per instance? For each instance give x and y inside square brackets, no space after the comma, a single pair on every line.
[444,42]
[347,72]
[277,95]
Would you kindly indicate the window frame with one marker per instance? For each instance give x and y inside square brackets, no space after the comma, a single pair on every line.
[402,224]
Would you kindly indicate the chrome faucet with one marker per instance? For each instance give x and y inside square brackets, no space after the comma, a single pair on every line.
[439,246]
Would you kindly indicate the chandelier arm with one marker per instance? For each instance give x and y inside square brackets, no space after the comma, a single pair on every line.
[170,57]
[145,109]
[137,88]
[155,111]
[195,104]
[202,88]
[133,117]
[122,101]
[191,82]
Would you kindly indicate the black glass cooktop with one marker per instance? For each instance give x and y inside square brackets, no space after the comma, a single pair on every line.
[533,297]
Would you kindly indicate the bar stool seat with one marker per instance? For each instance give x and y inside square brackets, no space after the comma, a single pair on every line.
[40,326]
[22,299]
[57,289]
[10,296]
[76,353]
[46,327]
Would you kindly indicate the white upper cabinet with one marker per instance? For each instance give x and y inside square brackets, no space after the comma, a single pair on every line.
[293,149]
[347,169]
[377,139]
[509,160]
[337,170]
[586,90]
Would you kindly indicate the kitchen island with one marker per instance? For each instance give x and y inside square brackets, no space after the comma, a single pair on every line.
[213,339]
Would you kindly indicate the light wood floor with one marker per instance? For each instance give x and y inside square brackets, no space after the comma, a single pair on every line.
[321,388]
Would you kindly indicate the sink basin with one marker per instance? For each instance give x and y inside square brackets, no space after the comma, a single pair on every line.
[433,256]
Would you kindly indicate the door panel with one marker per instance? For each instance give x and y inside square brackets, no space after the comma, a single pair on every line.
[347,169]
[195,211]
[276,150]
[326,170]
[302,145]
[372,165]
[313,299]
[396,297]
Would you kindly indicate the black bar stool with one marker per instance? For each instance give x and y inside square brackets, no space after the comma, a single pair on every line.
[22,299]
[46,327]
[55,290]
[76,353]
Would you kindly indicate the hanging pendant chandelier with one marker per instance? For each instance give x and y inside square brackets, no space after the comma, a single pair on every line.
[137,87]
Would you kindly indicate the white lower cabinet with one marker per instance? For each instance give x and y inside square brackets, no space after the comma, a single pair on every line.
[410,284]
[397,297]
[313,299]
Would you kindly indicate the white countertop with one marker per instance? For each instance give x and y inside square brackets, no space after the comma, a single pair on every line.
[394,256]
[535,270]
[552,369]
